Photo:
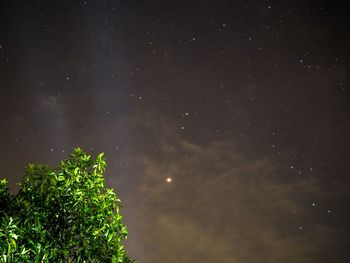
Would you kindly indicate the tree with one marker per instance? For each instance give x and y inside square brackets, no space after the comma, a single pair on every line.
[64,214]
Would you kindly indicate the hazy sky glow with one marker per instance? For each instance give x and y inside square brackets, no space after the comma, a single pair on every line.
[224,123]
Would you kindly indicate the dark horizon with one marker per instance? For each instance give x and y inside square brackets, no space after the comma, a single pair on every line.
[225,124]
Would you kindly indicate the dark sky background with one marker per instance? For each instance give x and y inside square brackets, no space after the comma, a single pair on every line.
[244,105]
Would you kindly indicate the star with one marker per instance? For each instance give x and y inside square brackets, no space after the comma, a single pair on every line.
[169,179]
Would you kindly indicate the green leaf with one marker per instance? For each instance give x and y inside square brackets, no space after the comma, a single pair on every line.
[63,213]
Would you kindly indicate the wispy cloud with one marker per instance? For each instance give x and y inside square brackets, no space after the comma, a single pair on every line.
[222,201]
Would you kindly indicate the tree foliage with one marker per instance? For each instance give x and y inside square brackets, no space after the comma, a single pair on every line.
[63,214]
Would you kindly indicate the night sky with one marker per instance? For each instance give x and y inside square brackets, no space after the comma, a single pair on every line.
[225,124]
